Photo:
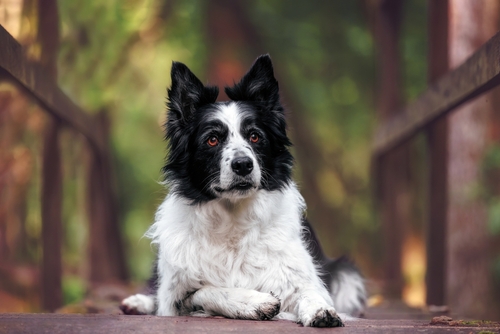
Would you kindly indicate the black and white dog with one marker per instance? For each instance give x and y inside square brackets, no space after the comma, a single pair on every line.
[231,235]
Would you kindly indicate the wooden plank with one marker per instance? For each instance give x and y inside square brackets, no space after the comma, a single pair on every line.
[119,324]
[478,74]
[40,85]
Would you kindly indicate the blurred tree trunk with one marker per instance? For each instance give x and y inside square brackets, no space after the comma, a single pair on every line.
[231,42]
[51,268]
[469,281]
[392,169]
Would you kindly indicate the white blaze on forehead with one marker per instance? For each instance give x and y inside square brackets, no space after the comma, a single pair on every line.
[231,116]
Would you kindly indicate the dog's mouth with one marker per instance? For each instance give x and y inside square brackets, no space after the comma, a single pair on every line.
[239,186]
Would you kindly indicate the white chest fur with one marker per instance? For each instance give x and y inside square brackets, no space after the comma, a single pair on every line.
[253,244]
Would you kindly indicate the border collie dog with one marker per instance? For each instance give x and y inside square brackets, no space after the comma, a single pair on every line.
[231,234]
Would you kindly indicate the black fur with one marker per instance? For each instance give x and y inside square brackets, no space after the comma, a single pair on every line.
[258,85]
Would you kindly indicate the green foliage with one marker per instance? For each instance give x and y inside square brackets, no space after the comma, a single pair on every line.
[414,48]
[489,188]
[73,289]
[494,217]
[116,56]
[496,270]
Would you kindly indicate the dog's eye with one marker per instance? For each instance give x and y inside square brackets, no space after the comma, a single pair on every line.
[212,141]
[254,137]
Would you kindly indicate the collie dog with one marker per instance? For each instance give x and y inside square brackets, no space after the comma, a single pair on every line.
[231,234]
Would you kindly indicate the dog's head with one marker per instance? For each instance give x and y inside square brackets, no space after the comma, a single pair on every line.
[226,149]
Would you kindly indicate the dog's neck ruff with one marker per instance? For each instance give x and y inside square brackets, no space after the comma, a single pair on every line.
[223,216]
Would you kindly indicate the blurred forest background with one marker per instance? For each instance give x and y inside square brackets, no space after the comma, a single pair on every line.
[114,58]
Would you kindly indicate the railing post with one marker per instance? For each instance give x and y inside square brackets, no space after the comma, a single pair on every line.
[437,139]
[469,256]
[391,168]
[51,266]
[52,227]
[106,251]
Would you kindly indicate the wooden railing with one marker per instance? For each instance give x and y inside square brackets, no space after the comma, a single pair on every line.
[480,73]
[105,250]
[39,84]
[477,75]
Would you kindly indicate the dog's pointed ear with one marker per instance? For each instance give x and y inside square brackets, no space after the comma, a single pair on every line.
[187,93]
[258,84]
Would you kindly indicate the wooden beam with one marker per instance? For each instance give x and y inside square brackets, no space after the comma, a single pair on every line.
[40,85]
[475,76]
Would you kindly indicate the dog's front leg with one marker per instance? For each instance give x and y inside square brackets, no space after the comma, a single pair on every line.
[234,303]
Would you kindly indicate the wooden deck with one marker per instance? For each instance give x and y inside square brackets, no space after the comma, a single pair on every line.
[110,324]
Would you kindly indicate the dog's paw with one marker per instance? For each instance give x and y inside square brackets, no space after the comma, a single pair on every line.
[258,306]
[269,309]
[138,305]
[324,317]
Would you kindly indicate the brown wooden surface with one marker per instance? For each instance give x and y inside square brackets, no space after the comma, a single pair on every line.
[34,78]
[109,324]
[478,74]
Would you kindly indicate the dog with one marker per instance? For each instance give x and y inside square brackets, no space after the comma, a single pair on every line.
[231,234]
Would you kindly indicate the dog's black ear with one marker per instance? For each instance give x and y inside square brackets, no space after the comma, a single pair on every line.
[258,84]
[187,93]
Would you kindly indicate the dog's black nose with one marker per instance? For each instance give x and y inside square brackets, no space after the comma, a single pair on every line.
[242,166]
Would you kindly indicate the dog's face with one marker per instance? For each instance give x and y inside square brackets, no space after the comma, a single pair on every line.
[226,149]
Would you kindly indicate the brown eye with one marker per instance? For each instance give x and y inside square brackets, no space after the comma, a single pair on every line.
[254,137]
[212,141]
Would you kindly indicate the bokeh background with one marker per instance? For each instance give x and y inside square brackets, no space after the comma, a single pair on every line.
[114,58]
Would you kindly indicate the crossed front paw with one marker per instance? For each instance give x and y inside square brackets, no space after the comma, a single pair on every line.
[269,310]
[266,307]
